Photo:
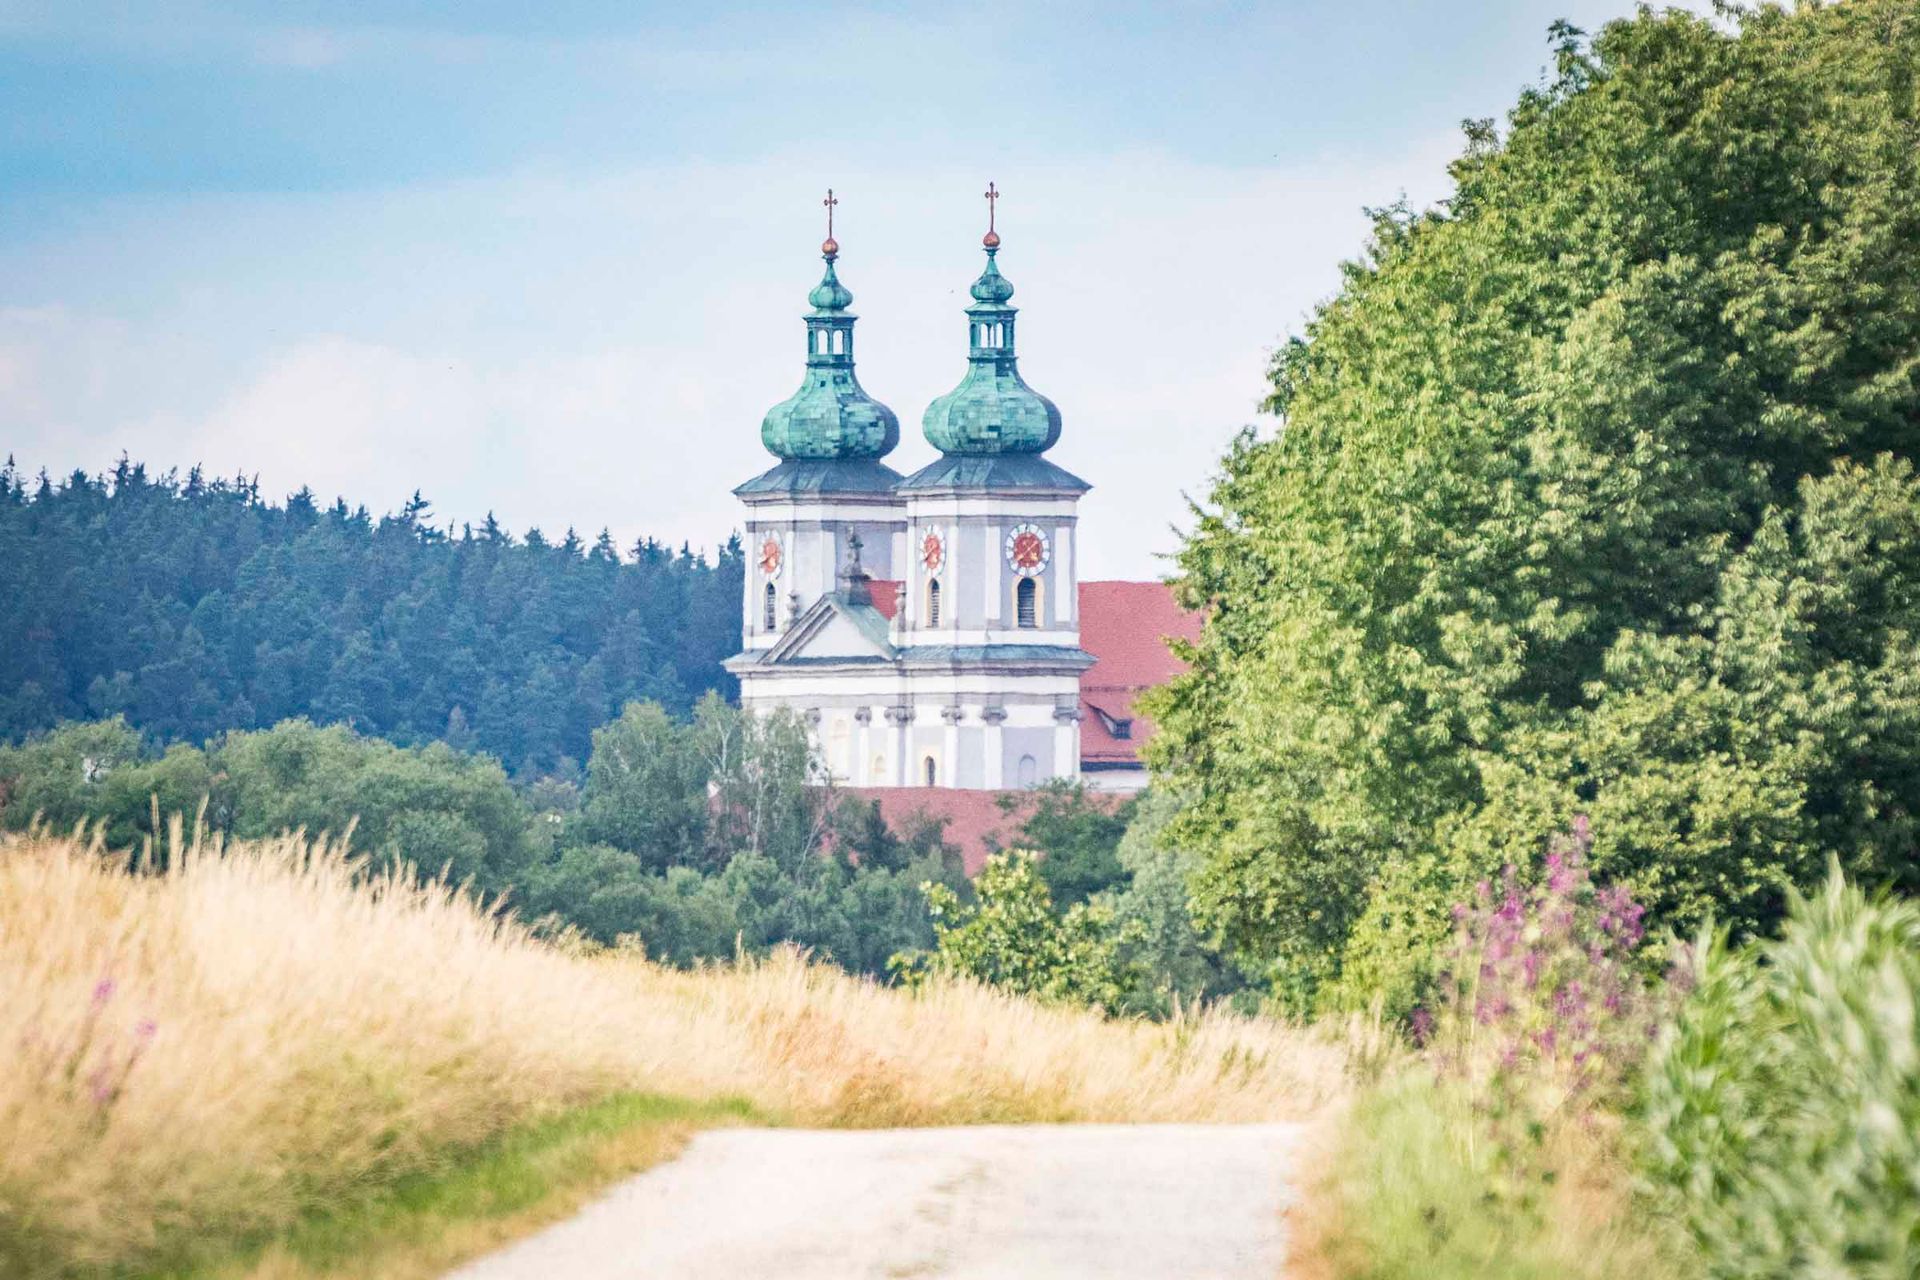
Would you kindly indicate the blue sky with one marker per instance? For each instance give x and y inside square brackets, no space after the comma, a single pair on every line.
[549,260]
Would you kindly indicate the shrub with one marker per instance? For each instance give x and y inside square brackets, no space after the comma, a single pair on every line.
[1783,1105]
[1011,938]
[1544,1001]
[1501,1152]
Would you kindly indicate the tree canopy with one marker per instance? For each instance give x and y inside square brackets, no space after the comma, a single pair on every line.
[194,606]
[1593,494]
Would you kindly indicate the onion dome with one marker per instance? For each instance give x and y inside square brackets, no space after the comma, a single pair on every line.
[830,417]
[830,294]
[992,411]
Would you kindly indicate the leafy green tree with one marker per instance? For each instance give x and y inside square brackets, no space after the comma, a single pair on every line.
[679,916]
[429,806]
[770,795]
[100,774]
[1078,834]
[1174,960]
[1591,495]
[646,790]
[192,606]
[1011,937]
[863,837]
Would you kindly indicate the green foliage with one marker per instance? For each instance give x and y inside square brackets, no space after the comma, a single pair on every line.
[1783,1108]
[1154,909]
[1594,494]
[863,837]
[1419,1194]
[705,836]
[646,790]
[1011,937]
[1077,832]
[99,773]
[191,607]
[430,806]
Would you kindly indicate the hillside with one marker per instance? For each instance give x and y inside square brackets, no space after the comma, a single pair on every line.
[194,606]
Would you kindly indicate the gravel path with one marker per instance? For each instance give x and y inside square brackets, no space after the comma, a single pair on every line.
[1039,1201]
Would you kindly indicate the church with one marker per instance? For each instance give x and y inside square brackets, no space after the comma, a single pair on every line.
[932,629]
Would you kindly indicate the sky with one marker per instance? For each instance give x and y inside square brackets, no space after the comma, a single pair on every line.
[549,261]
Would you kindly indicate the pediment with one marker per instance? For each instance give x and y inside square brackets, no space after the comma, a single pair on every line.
[834,629]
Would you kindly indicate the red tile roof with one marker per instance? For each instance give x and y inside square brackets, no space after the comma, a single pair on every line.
[975,823]
[1125,626]
[886,596]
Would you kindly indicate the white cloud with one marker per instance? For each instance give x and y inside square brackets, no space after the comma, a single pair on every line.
[599,352]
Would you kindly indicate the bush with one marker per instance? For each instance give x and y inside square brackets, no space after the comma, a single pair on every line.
[1501,1152]
[1544,1001]
[1783,1106]
[1011,938]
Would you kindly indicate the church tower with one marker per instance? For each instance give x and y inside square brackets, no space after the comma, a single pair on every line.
[829,486]
[990,579]
[926,628]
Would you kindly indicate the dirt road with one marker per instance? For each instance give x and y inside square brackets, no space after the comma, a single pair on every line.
[1109,1201]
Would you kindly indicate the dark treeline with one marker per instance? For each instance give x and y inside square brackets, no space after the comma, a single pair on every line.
[192,606]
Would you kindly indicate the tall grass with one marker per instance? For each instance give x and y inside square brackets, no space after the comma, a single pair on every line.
[1500,1153]
[1783,1104]
[1415,1188]
[219,1047]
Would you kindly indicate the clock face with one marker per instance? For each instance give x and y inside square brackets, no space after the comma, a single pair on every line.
[1027,549]
[933,551]
[770,557]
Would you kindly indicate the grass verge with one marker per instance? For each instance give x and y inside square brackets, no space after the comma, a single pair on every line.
[1412,1188]
[235,1048]
[428,1222]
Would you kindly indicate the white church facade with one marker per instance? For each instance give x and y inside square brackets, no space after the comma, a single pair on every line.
[926,626]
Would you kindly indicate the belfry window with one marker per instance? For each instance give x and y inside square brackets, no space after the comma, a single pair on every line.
[933,602]
[772,608]
[930,771]
[1025,597]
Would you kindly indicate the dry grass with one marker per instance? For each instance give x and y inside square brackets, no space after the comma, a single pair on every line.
[217,1049]
[1411,1187]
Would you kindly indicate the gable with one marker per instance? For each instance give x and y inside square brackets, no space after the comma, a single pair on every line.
[840,636]
[834,630]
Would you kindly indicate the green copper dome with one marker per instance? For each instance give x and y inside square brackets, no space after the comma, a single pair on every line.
[992,411]
[830,417]
[830,294]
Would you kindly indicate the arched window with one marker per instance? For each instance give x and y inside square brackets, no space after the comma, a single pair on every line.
[933,602]
[1025,603]
[931,770]
[1029,771]
[773,608]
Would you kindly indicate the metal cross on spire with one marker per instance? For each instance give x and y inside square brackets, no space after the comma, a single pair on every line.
[830,202]
[993,198]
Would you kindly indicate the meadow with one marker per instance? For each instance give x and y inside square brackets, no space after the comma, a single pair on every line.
[231,1039]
